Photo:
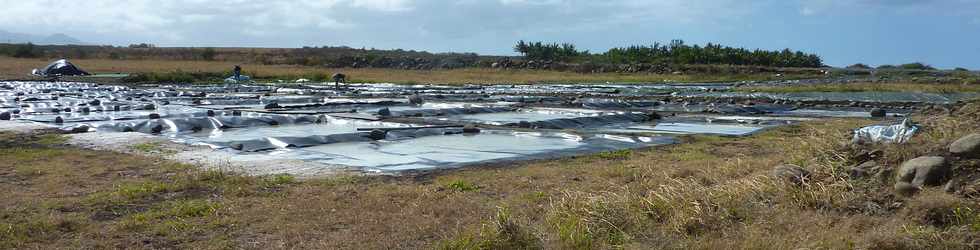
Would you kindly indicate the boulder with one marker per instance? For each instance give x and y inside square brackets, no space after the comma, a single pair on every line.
[5,116]
[236,113]
[967,146]
[926,170]
[878,112]
[273,105]
[905,188]
[792,173]
[149,107]
[210,113]
[59,120]
[154,116]
[95,102]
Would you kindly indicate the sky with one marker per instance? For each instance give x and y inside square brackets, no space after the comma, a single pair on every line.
[943,33]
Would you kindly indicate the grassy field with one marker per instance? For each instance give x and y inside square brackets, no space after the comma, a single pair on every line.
[862,87]
[17,68]
[705,193]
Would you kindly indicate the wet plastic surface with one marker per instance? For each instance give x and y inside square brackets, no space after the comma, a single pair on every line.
[374,127]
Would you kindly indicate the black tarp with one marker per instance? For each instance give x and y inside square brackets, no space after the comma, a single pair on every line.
[60,68]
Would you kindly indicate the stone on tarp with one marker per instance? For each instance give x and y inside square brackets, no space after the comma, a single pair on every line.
[898,133]
[878,112]
[416,99]
[967,146]
[273,105]
[80,129]
[5,116]
[470,129]
[59,119]
[154,116]
[926,170]
[384,112]
[378,134]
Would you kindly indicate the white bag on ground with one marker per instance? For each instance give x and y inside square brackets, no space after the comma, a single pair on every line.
[898,133]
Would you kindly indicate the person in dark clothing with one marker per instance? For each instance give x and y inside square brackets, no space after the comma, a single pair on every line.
[238,73]
[339,78]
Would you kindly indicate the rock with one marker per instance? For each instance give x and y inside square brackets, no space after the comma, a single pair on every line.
[384,112]
[59,120]
[154,116]
[926,170]
[905,188]
[378,134]
[210,113]
[470,129]
[864,169]
[149,107]
[950,187]
[273,105]
[792,173]
[116,108]
[967,146]
[86,110]
[95,102]
[80,129]
[878,113]
[236,113]
[5,116]
[524,124]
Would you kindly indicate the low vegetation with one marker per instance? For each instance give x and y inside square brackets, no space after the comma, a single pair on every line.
[168,71]
[867,87]
[705,193]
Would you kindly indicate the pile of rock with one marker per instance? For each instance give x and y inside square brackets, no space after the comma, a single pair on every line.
[933,170]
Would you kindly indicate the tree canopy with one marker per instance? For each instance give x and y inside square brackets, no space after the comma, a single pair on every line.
[674,52]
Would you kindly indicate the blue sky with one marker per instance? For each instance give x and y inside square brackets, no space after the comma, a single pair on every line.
[945,34]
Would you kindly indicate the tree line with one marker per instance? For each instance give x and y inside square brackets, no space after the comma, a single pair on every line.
[675,52]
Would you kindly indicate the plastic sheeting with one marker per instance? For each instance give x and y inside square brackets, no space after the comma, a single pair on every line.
[897,133]
[60,68]
[241,79]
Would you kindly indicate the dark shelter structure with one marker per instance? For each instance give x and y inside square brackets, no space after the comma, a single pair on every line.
[60,68]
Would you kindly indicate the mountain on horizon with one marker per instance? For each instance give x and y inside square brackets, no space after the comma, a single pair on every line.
[53,39]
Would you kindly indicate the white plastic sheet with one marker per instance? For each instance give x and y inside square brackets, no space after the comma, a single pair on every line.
[241,79]
[898,133]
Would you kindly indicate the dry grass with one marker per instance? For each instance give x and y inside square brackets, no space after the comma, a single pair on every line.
[707,193]
[861,87]
[16,68]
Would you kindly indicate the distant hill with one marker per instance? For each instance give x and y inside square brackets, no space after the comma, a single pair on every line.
[54,39]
